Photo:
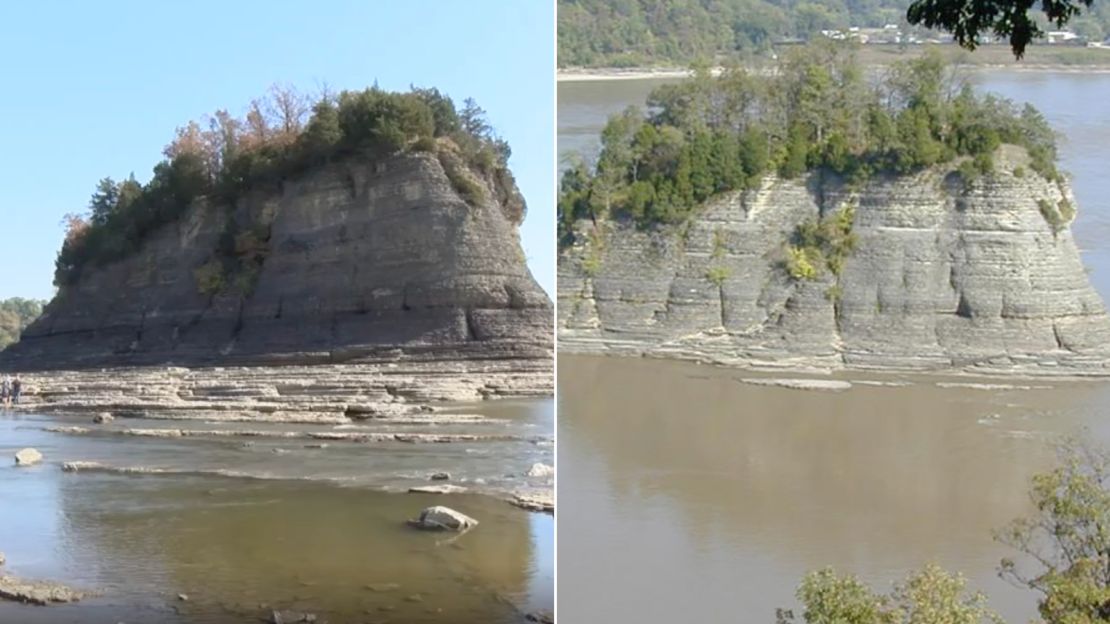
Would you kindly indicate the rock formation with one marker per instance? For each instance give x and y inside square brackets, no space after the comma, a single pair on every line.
[947,273]
[372,266]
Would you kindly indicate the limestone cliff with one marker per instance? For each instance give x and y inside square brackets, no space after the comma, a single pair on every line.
[947,273]
[367,260]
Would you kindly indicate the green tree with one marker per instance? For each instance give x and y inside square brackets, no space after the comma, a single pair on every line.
[1066,541]
[970,20]
[928,596]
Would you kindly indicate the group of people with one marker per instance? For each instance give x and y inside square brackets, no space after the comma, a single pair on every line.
[10,389]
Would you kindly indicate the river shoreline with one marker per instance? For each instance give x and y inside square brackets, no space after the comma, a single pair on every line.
[615,73]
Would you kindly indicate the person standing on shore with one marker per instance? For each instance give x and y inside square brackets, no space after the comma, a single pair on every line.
[6,390]
[17,389]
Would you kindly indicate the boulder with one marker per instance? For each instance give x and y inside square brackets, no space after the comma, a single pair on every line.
[541,470]
[440,476]
[27,456]
[441,518]
[103,418]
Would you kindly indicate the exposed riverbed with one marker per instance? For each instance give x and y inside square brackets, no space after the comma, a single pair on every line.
[242,523]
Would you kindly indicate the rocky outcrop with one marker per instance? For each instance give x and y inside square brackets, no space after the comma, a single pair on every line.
[377,263]
[334,393]
[947,273]
[39,593]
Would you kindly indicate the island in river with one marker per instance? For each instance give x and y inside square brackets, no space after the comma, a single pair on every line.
[235,340]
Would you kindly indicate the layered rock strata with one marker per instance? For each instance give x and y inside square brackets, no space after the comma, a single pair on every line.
[947,273]
[379,284]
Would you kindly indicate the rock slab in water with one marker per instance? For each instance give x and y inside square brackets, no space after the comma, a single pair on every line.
[437,489]
[291,617]
[441,518]
[27,456]
[800,384]
[36,592]
[440,476]
[541,470]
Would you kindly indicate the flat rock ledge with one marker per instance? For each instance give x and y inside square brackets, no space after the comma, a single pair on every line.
[40,593]
[538,501]
[316,394]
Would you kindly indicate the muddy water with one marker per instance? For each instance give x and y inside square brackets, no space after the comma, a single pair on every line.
[687,495]
[308,529]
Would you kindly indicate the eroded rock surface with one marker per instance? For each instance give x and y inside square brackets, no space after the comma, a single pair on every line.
[380,283]
[946,274]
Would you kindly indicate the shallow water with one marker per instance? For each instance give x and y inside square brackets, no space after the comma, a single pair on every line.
[695,497]
[312,533]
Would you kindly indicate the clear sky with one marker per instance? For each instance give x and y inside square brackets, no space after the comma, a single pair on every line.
[95,89]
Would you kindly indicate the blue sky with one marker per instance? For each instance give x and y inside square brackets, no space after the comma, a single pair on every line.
[96,89]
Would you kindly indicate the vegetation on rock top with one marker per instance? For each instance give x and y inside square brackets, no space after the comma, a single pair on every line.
[818,112]
[281,135]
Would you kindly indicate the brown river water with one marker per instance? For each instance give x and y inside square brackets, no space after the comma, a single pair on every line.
[318,530]
[687,495]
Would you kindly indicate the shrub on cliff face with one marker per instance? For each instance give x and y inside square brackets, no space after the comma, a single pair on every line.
[709,135]
[1057,215]
[280,136]
[820,245]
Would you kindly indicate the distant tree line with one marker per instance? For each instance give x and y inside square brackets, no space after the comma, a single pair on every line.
[282,134]
[708,135]
[624,33]
[16,313]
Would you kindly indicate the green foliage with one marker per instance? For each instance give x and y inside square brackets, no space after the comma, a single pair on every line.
[592,256]
[1067,537]
[1058,215]
[717,275]
[235,156]
[822,245]
[1019,172]
[969,21]
[928,596]
[627,33]
[461,179]
[16,314]
[209,277]
[802,263]
[710,135]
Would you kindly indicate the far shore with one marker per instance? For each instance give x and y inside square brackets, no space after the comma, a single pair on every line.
[607,74]
[988,58]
